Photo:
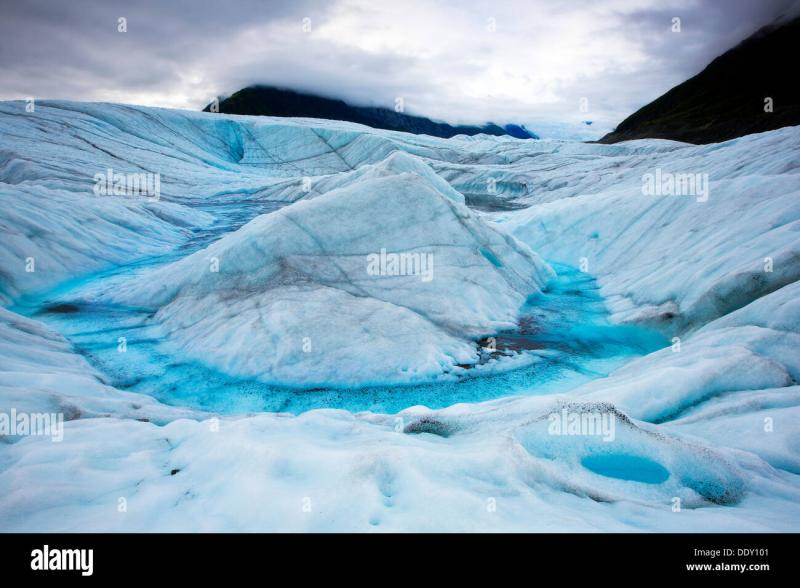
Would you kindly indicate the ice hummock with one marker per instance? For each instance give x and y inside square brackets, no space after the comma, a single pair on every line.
[308,295]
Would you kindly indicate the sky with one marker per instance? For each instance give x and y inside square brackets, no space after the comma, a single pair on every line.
[551,65]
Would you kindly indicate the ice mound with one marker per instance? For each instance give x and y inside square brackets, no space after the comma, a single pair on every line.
[396,161]
[309,294]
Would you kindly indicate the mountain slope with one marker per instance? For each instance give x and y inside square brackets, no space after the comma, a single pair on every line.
[270,101]
[727,99]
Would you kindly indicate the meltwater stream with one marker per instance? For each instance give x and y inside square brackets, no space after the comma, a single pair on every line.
[563,339]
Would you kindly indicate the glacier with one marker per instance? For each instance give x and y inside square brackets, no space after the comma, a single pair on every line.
[225,360]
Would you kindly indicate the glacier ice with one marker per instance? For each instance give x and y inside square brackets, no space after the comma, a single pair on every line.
[291,210]
[292,298]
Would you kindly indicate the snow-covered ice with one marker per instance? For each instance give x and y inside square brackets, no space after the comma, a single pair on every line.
[253,262]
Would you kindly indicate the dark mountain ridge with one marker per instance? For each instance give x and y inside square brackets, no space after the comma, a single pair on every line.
[727,99]
[271,101]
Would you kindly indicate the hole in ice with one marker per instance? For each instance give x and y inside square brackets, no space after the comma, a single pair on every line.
[429,425]
[626,467]
[62,308]
[716,489]
[492,203]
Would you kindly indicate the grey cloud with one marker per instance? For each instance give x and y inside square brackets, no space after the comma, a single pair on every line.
[180,53]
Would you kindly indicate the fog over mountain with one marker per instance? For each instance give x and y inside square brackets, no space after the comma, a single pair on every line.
[270,101]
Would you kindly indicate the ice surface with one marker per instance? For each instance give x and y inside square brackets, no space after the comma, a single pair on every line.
[710,420]
[713,262]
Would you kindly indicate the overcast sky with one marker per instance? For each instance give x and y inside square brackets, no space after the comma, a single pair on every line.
[524,61]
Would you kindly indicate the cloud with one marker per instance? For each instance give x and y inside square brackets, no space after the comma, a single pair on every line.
[528,61]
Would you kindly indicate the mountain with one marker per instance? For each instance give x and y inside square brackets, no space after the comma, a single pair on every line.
[727,99]
[271,101]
